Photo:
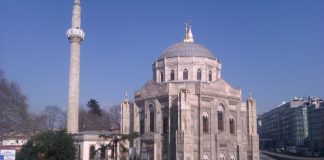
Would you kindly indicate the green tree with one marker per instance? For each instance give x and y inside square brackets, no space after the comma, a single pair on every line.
[94,107]
[49,145]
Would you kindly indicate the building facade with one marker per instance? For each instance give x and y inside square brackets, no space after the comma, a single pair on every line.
[188,112]
[294,123]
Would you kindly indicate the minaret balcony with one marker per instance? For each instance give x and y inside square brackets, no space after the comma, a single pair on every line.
[75,33]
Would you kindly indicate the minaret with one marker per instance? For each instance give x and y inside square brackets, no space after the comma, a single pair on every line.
[75,36]
[188,34]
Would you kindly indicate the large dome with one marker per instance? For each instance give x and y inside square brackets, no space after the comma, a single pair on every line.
[186,49]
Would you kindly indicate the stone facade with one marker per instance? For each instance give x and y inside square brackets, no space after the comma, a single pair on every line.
[188,112]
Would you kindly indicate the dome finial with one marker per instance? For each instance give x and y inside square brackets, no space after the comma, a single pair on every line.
[188,34]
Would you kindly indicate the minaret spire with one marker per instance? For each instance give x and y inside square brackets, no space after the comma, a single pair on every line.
[75,35]
[188,34]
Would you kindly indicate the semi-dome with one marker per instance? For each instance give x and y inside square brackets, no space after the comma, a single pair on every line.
[186,49]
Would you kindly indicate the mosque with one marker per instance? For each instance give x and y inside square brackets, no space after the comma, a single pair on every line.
[188,112]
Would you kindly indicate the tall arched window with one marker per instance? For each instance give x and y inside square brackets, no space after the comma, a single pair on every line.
[185,74]
[220,117]
[172,75]
[232,125]
[210,76]
[165,125]
[221,156]
[151,118]
[205,122]
[92,152]
[162,77]
[142,122]
[198,75]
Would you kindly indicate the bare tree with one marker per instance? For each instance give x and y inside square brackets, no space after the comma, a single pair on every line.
[54,116]
[13,106]
[115,116]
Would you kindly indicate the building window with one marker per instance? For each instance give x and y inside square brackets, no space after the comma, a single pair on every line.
[172,75]
[165,125]
[198,74]
[142,123]
[205,157]
[232,125]
[185,74]
[205,122]
[220,117]
[210,76]
[162,77]
[92,152]
[102,153]
[222,156]
[151,118]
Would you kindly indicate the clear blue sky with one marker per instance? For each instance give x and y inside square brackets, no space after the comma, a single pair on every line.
[273,48]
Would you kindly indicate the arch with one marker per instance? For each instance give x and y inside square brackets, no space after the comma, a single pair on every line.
[185,74]
[232,124]
[210,76]
[205,157]
[142,122]
[162,76]
[220,117]
[199,75]
[172,75]
[205,122]
[92,152]
[232,157]
[152,118]
[221,156]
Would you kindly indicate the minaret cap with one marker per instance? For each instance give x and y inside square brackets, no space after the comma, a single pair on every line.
[188,34]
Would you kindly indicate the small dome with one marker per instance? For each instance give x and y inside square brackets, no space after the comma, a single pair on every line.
[186,49]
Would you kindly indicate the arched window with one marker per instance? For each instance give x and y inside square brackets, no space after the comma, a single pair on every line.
[172,75]
[210,76]
[221,156]
[232,157]
[92,152]
[205,157]
[102,153]
[142,122]
[151,118]
[220,117]
[165,125]
[232,125]
[205,122]
[185,74]
[198,75]
[162,77]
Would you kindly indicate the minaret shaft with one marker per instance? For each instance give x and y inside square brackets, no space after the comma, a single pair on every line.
[75,36]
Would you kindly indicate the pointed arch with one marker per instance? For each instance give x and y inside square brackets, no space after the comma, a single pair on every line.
[172,75]
[220,117]
[205,122]
[152,118]
[232,124]
[199,75]
[221,156]
[162,76]
[210,76]
[185,74]
[92,152]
